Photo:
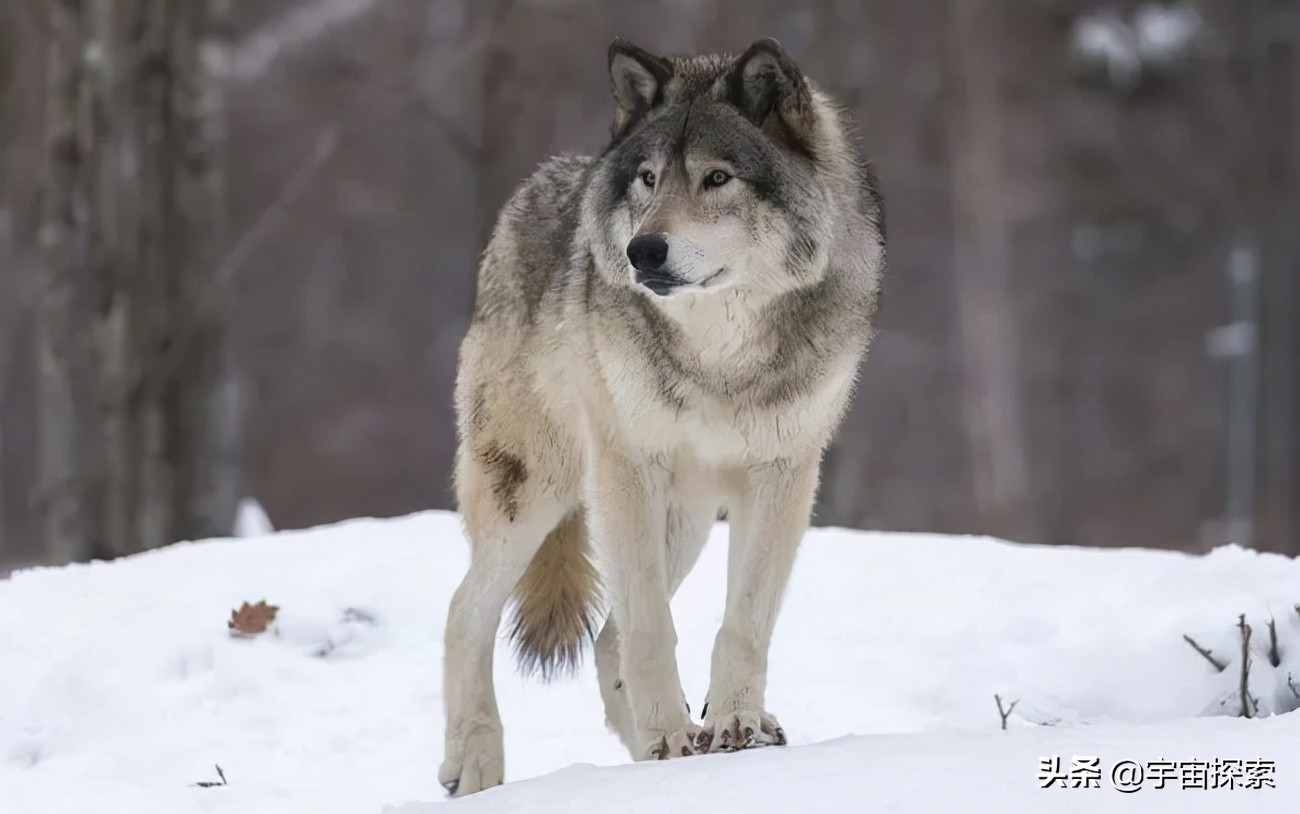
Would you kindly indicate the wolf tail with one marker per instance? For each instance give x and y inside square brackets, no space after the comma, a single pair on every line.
[555,602]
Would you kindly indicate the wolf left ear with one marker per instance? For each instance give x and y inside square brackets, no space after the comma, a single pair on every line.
[771,92]
[637,78]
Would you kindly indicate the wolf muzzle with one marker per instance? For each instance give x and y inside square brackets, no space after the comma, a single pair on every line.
[648,255]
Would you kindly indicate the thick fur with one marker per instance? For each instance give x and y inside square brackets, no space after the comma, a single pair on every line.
[609,411]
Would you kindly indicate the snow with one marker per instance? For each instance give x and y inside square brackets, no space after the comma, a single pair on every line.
[1155,38]
[1104,39]
[251,519]
[931,772]
[120,688]
[1166,34]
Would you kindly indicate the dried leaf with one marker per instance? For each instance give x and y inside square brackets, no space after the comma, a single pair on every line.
[248,620]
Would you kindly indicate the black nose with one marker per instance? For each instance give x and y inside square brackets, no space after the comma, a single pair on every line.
[648,252]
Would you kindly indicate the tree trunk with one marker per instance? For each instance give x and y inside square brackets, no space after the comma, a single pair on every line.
[135,218]
[1281,294]
[69,242]
[982,268]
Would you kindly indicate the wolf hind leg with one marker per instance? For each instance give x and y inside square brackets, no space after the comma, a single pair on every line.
[502,546]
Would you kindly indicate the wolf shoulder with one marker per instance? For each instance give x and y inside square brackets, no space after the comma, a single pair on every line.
[531,249]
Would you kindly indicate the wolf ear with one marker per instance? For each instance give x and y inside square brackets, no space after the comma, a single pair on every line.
[637,78]
[771,92]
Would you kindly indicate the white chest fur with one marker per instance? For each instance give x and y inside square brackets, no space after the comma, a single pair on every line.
[720,337]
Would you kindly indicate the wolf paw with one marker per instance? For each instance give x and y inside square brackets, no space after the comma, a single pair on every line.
[743,729]
[684,742]
[475,759]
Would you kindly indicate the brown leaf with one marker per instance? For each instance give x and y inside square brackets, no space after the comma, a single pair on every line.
[249,620]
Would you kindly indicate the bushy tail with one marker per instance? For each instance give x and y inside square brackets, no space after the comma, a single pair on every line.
[555,602]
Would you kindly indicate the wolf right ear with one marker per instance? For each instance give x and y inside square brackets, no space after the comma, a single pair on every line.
[637,78]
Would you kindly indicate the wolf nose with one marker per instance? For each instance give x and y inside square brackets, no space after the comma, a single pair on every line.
[648,252]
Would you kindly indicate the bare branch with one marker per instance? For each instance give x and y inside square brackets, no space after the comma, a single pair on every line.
[255,54]
[455,135]
[1248,704]
[1219,666]
[423,102]
[1005,713]
[326,145]
[1274,655]
[269,218]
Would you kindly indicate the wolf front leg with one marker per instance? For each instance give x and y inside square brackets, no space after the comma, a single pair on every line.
[628,506]
[765,532]
[688,524]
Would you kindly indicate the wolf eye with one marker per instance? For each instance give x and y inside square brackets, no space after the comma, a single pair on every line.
[716,179]
[648,178]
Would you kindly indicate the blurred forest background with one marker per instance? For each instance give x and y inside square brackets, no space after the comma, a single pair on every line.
[238,243]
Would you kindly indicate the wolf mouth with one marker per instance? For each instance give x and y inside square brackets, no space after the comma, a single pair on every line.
[710,278]
[663,285]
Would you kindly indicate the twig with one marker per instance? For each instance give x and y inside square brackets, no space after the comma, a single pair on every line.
[207,784]
[1246,700]
[1219,666]
[1274,655]
[1005,713]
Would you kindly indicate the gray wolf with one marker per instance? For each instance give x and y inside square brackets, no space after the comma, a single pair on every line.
[665,331]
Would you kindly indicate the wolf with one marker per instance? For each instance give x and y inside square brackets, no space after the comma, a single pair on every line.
[661,333]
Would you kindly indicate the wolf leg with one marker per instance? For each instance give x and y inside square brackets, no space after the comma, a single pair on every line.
[501,550]
[765,533]
[688,526]
[618,713]
[628,507]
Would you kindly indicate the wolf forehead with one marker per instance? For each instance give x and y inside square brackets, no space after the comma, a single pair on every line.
[698,74]
[697,131]
[700,127]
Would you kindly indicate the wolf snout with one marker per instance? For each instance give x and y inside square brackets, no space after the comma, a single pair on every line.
[648,255]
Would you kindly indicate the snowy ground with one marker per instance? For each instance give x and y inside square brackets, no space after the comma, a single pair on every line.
[120,688]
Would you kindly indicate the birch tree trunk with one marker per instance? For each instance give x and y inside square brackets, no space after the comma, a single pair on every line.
[139,440]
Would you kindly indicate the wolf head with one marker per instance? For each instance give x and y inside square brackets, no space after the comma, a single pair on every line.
[723,172]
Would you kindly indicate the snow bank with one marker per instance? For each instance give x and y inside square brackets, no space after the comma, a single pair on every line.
[120,687]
